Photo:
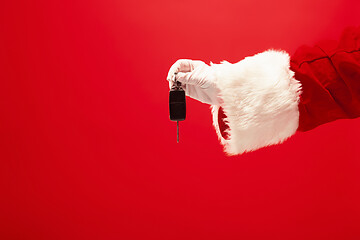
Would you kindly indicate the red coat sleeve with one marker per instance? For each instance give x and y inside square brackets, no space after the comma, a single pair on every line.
[329,74]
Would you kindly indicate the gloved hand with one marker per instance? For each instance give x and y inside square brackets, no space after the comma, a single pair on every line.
[198,80]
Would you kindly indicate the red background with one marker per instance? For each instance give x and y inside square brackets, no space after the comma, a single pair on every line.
[87,149]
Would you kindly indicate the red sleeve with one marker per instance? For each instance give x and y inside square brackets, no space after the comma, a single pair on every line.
[223,127]
[330,76]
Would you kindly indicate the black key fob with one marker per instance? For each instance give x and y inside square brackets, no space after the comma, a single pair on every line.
[177,103]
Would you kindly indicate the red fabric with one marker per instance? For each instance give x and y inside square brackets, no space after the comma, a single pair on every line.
[330,76]
[222,125]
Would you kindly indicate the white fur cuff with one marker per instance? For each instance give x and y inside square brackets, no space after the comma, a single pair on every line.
[260,99]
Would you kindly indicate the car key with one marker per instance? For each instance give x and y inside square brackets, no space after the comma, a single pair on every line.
[177,104]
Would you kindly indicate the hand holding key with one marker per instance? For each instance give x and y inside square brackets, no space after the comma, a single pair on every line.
[198,80]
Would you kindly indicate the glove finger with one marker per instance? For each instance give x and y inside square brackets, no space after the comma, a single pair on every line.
[199,77]
[181,65]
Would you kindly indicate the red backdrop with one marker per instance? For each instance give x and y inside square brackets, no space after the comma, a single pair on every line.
[87,149]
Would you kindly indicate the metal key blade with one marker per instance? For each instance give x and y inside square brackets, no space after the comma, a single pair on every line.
[177,130]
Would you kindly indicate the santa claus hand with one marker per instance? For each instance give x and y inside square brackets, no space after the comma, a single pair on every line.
[198,80]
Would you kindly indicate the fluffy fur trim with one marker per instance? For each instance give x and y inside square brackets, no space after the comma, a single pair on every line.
[260,99]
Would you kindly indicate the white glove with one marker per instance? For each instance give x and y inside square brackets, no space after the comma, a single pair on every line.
[198,80]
